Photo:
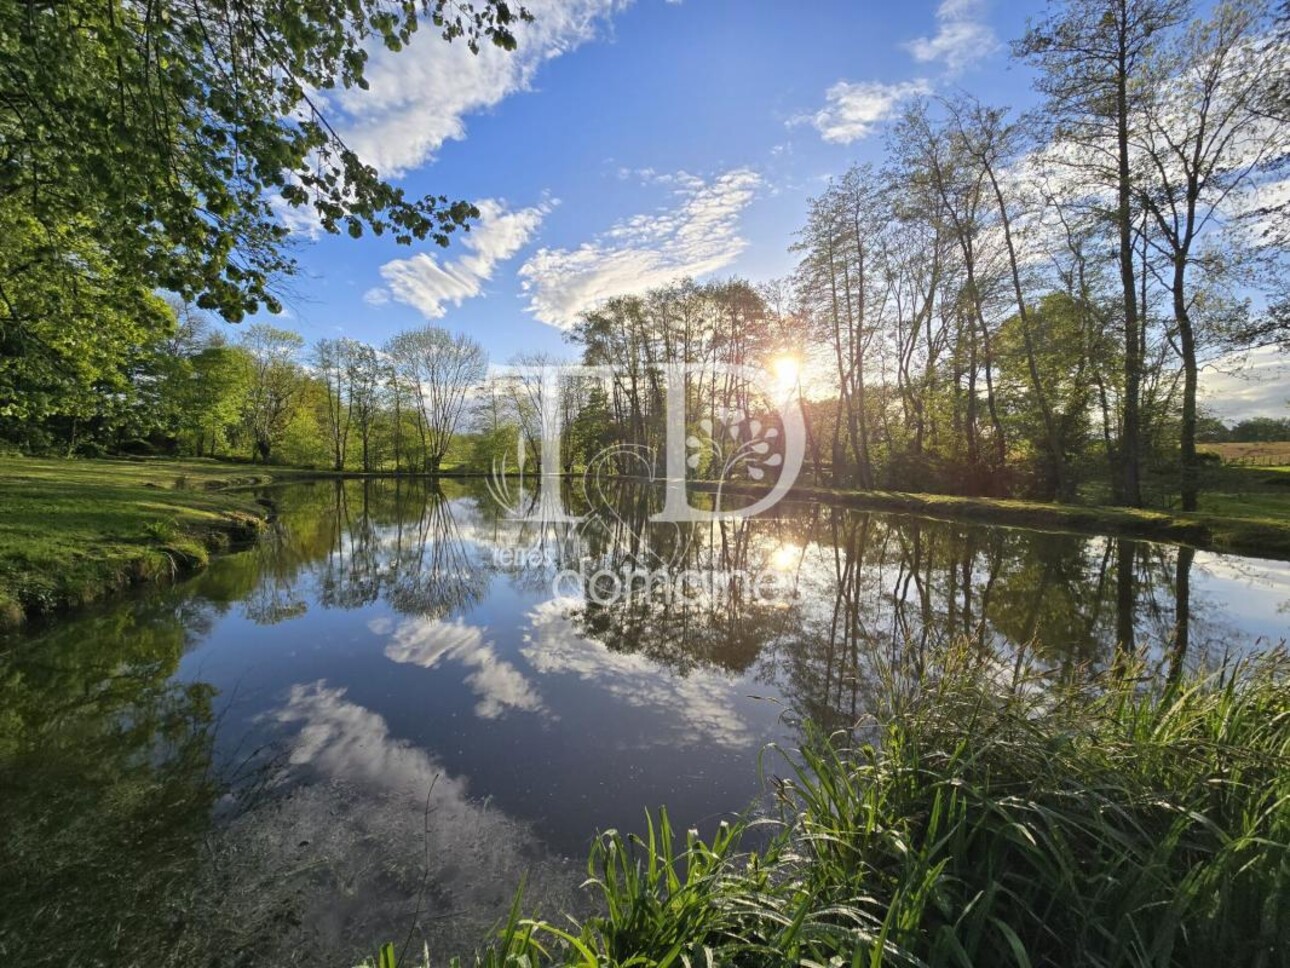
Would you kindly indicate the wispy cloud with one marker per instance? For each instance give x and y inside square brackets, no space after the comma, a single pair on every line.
[962,37]
[419,98]
[697,236]
[427,284]
[853,109]
[1241,386]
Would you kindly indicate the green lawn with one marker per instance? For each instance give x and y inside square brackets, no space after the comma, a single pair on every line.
[73,531]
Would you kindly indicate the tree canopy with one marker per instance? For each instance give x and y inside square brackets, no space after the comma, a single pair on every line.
[172,127]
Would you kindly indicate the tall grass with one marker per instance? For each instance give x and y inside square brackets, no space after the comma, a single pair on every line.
[990,820]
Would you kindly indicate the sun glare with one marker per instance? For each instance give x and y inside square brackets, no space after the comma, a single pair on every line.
[788,374]
[785,557]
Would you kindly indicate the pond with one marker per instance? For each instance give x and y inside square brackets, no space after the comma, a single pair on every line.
[402,703]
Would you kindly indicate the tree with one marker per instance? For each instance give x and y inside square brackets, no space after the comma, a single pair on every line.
[275,387]
[840,279]
[332,359]
[218,391]
[172,126]
[992,144]
[1091,55]
[1260,430]
[1206,136]
[367,392]
[71,325]
[1049,346]
[441,369]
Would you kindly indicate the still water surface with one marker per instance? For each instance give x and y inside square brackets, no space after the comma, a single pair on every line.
[372,725]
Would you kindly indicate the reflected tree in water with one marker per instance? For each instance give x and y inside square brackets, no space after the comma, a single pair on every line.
[105,765]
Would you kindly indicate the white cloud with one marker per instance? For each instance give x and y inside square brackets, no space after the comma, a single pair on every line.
[425,283]
[376,296]
[700,708]
[696,237]
[961,38]
[498,684]
[419,98]
[1255,385]
[852,109]
[297,219]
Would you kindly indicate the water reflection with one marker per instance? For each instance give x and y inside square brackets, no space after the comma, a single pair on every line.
[377,720]
[106,791]
[424,642]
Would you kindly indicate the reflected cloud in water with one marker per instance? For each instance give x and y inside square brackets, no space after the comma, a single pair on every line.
[499,685]
[697,708]
[368,836]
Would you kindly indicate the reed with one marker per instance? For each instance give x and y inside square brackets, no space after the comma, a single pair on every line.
[988,818]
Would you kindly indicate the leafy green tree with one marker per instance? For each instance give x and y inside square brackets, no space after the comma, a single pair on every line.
[1261,430]
[1211,430]
[171,126]
[1059,347]
[70,326]
[276,385]
[591,430]
[213,398]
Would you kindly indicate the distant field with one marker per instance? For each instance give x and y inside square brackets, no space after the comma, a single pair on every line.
[1274,454]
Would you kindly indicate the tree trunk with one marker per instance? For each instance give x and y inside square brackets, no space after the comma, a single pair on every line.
[1130,483]
[1126,598]
[1182,613]
[1189,469]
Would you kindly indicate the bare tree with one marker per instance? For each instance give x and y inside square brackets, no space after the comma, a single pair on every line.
[1207,135]
[441,369]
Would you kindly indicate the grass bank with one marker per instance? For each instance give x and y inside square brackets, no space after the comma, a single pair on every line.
[73,531]
[1247,512]
[996,817]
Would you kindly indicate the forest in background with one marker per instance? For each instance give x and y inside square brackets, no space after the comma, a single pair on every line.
[1010,305]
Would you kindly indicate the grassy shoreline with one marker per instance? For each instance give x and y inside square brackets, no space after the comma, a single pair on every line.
[1254,534]
[75,531]
[992,813]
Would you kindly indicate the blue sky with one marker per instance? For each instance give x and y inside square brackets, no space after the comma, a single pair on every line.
[626,144]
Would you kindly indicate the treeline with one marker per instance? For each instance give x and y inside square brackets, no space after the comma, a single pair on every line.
[265,396]
[1022,305]
[1254,430]
[1006,305]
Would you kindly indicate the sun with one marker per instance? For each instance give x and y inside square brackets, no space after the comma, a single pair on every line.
[788,374]
[785,557]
